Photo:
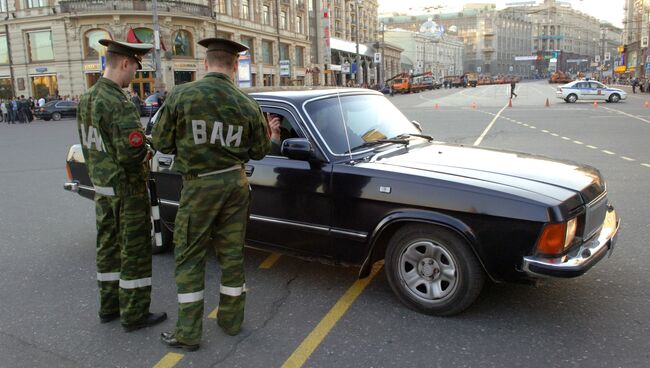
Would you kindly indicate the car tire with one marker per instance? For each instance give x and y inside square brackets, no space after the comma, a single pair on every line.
[572,98]
[614,98]
[433,270]
[167,240]
[56,116]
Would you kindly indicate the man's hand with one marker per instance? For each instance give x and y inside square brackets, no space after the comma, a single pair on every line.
[274,127]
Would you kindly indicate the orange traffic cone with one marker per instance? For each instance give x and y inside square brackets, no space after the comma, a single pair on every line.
[436,106]
[595,103]
[473,105]
[510,103]
[645,104]
[547,104]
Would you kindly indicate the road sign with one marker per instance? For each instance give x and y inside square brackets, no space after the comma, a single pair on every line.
[608,55]
[597,59]
[377,57]
[511,68]
[478,69]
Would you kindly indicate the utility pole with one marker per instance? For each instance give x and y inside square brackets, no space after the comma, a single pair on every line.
[382,70]
[358,60]
[158,84]
[11,67]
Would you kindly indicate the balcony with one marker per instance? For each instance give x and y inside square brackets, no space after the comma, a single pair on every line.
[110,6]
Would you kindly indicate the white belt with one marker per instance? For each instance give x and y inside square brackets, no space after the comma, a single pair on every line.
[232,291]
[107,191]
[232,168]
[134,284]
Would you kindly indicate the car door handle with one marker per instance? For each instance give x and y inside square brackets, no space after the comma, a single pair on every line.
[249,170]
[165,161]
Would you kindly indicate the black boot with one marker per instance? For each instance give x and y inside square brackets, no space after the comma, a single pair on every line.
[169,339]
[105,318]
[149,320]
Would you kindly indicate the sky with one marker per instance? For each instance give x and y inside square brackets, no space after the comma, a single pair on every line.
[608,10]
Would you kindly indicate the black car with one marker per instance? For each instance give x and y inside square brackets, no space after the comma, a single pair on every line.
[55,110]
[150,105]
[356,182]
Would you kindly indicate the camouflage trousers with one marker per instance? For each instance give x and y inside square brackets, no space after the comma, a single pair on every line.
[213,213]
[124,255]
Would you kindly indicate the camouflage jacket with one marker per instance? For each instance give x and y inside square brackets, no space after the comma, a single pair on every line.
[112,138]
[210,125]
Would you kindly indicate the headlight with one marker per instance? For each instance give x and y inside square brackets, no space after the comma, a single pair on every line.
[556,238]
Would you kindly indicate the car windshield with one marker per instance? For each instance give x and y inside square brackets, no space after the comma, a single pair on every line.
[51,103]
[367,118]
[152,98]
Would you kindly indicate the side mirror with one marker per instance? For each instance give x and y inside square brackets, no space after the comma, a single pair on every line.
[297,149]
[417,125]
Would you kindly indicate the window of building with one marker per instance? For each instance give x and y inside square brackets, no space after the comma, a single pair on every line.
[245,9]
[299,56]
[45,86]
[250,42]
[299,25]
[221,6]
[35,3]
[284,51]
[267,52]
[181,77]
[283,20]
[3,6]
[5,88]
[92,48]
[4,51]
[266,15]
[144,35]
[182,45]
[40,46]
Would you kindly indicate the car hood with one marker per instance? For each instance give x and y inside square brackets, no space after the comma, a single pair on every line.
[542,175]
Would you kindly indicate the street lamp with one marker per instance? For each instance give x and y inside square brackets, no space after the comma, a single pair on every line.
[358,60]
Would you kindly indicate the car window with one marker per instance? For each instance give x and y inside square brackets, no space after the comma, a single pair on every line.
[51,103]
[355,120]
[596,85]
[582,85]
[152,98]
[288,126]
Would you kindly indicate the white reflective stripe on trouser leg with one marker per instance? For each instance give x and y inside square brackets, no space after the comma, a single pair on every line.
[190,297]
[107,191]
[232,291]
[108,276]
[134,284]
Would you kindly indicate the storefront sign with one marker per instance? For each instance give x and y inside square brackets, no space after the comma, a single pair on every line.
[525,58]
[188,66]
[620,69]
[285,68]
[91,67]
[345,68]
[335,67]
[40,70]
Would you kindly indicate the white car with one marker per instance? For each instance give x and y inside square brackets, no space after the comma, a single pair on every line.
[589,90]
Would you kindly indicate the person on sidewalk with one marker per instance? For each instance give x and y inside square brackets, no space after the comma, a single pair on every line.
[512,89]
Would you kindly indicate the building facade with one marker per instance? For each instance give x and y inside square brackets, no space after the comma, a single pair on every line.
[611,38]
[634,55]
[50,47]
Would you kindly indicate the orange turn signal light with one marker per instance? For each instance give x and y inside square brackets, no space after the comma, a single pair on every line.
[552,239]
[67,170]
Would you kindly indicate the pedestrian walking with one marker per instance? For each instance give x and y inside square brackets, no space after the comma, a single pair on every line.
[113,144]
[41,102]
[513,84]
[634,83]
[13,111]
[213,128]
[4,110]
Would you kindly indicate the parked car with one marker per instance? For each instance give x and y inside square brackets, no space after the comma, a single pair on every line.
[589,90]
[55,110]
[356,182]
[150,105]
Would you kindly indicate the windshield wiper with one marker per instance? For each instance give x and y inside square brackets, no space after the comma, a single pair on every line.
[379,141]
[405,135]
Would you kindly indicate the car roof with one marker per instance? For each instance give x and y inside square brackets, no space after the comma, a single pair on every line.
[298,95]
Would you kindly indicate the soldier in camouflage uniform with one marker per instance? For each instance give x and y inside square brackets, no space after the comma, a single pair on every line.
[213,128]
[113,145]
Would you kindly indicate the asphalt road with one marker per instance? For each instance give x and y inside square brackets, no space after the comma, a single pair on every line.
[48,296]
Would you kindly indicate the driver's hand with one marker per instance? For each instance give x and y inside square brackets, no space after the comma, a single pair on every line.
[274,126]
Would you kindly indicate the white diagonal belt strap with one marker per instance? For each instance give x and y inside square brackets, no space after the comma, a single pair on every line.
[232,291]
[134,284]
[190,297]
[107,191]
[108,276]
[232,168]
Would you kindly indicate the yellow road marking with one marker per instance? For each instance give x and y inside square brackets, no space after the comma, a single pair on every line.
[270,261]
[318,334]
[213,314]
[169,360]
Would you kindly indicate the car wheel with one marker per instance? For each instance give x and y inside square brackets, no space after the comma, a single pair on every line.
[571,98]
[167,240]
[614,98]
[433,270]
[56,116]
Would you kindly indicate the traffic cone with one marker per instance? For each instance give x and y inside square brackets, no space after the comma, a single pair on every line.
[436,106]
[473,105]
[645,104]
[510,103]
[547,104]
[595,104]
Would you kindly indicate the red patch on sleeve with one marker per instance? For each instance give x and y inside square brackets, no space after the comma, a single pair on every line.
[136,139]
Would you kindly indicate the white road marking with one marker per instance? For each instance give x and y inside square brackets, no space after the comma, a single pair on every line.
[480,139]
[646,165]
[626,114]
[555,135]
[627,158]
[545,131]
[592,147]
[608,152]
[566,138]
[577,142]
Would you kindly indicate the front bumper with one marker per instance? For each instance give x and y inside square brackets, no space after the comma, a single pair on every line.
[560,95]
[582,258]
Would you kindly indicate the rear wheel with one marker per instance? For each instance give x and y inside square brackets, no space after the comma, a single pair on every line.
[433,270]
[56,116]
[614,98]
[571,98]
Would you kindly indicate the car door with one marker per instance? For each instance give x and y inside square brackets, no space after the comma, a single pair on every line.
[584,92]
[291,199]
[598,91]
